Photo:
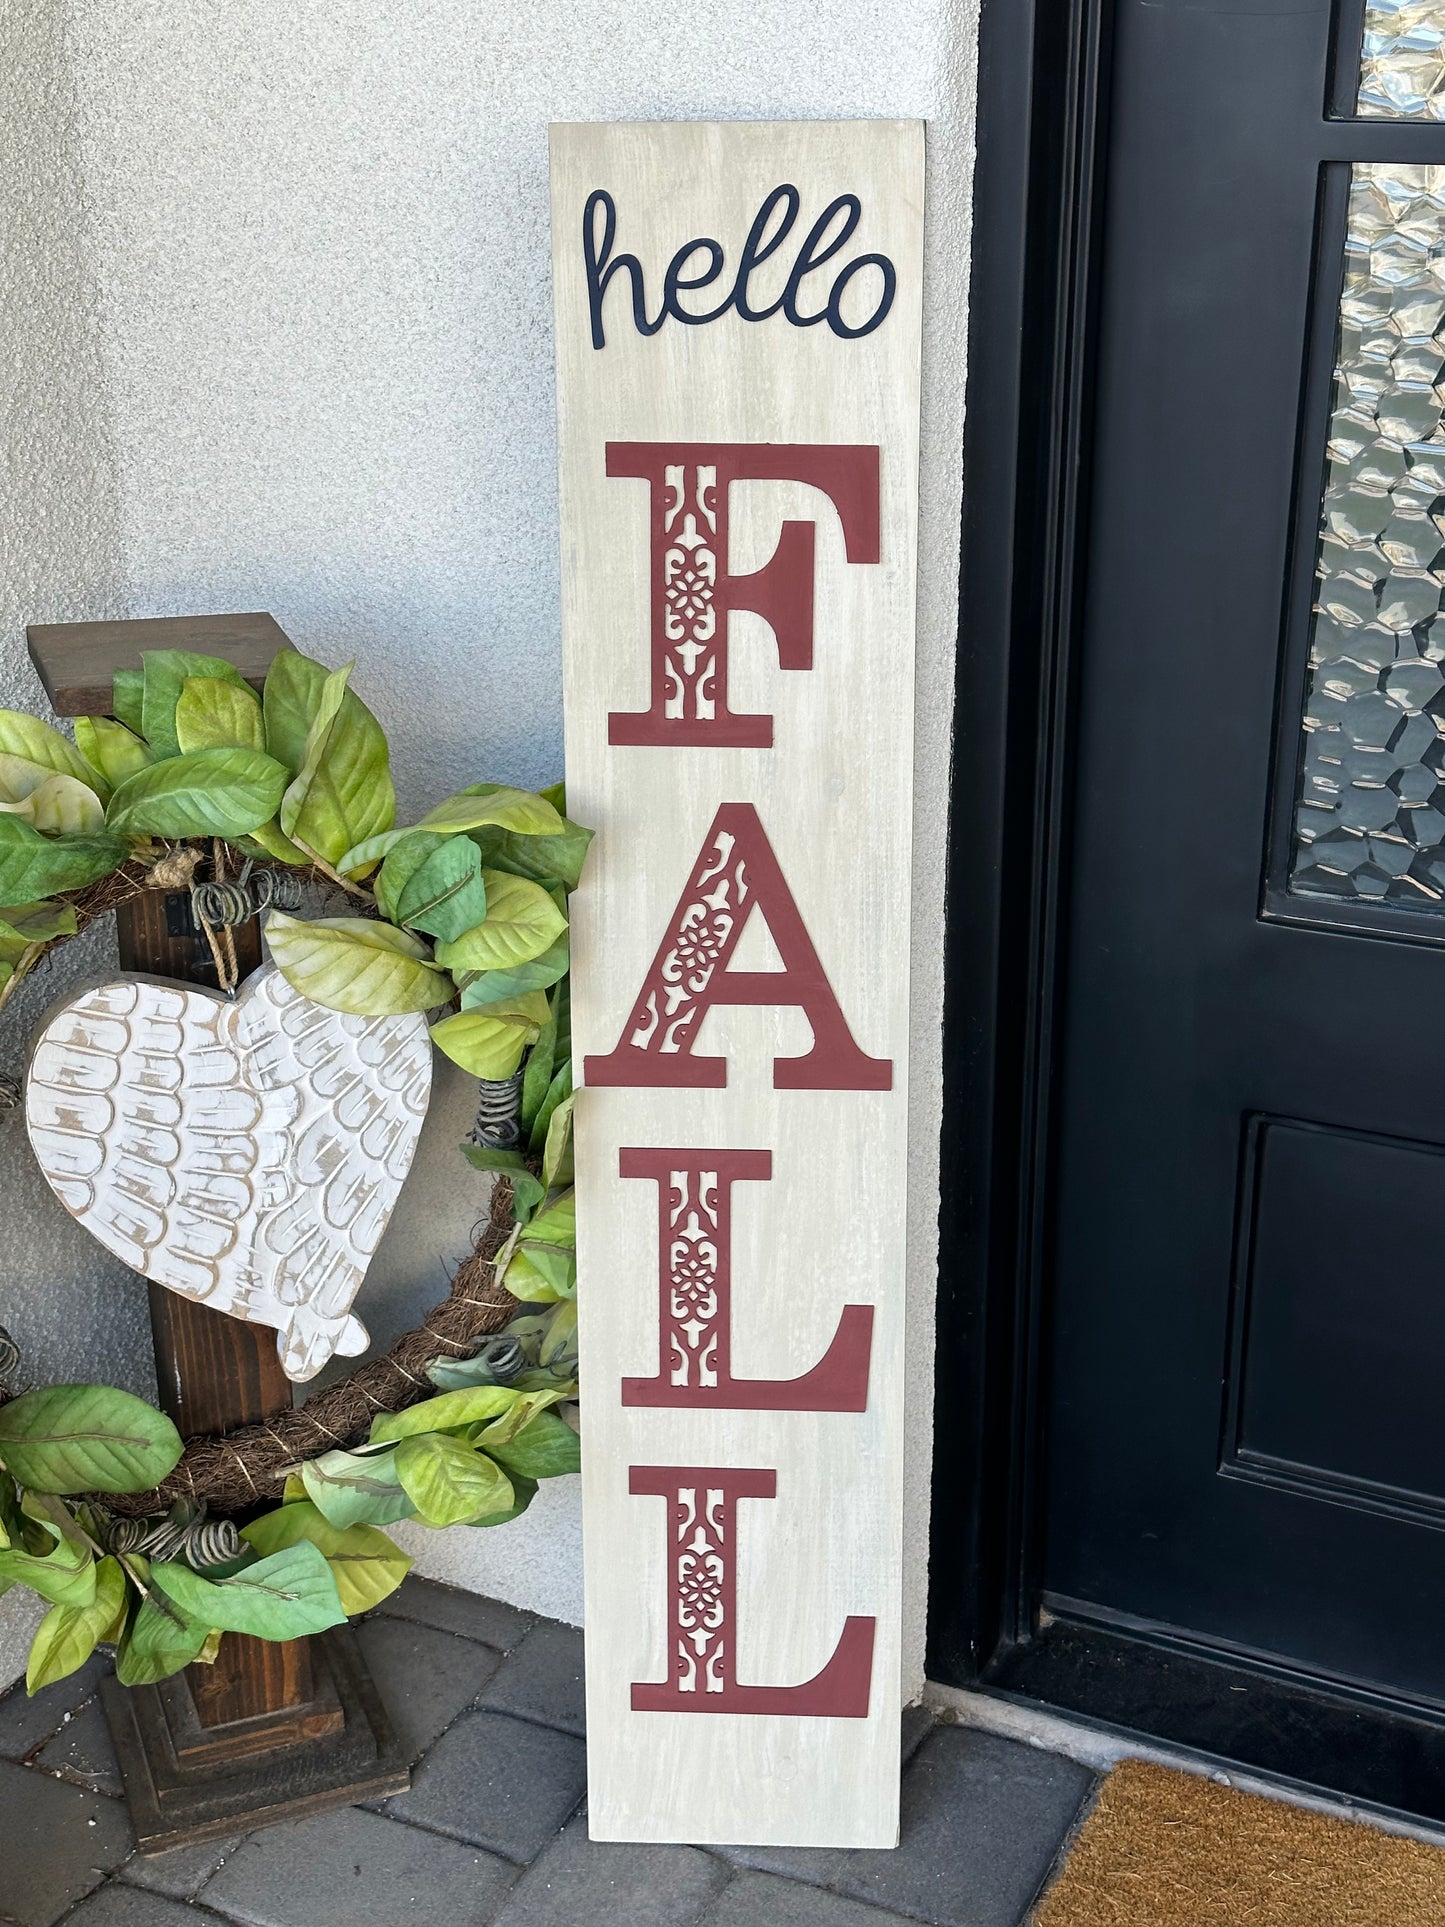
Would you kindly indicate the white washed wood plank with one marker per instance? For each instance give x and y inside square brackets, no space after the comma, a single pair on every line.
[834,796]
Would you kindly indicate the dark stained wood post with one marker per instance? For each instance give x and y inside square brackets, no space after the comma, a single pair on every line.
[247,1738]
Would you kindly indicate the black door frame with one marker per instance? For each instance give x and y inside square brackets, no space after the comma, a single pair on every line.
[1043,96]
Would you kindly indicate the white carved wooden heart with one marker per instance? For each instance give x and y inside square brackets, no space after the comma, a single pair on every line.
[244,1154]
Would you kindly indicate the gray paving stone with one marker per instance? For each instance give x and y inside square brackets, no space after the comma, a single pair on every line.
[918,1722]
[451,1610]
[116,1906]
[982,1820]
[425,1677]
[542,1679]
[26,1724]
[497,1782]
[356,1869]
[59,1843]
[182,1871]
[82,1751]
[582,1883]
[762,1900]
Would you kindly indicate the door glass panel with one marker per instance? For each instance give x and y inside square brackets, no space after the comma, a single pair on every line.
[1370,822]
[1402,65]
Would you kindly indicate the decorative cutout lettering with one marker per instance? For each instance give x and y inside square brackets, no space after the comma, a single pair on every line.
[702,1608]
[694,1240]
[736,874]
[693,593]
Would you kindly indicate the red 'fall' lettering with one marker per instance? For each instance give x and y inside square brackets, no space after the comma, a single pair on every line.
[736,874]
[694,1239]
[693,591]
[702,1502]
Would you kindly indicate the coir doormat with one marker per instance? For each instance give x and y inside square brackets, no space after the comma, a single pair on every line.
[1167,1849]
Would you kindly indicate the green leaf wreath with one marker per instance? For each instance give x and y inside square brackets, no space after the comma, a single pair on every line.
[463,914]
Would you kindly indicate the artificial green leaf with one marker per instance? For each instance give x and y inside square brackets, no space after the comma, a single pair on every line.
[409,850]
[62,1576]
[268,836]
[449,1483]
[545,859]
[444,1413]
[354,1488]
[86,1438]
[212,1646]
[490,1042]
[443,893]
[57,803]
[213,713]
[493,804]
[501,1431]
[60,806]
[487,1158]
[501,986]
[33,741]
[557,1345]
[111,751]
[164,677]
[373,849]
[541,1067]
[68,1635]
[521,922]
[65,1575]
[207,792]
[366,1565]
[34,866]
[27,923]
[545,1448]
[284,1596]
[558,1143]
[541,1274]
[353,964]
[527,1192]
[557,1225]
[523,1493]
[128,698]
[342,791]
[160,1640]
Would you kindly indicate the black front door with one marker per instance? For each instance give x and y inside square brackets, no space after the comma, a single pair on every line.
[1237,1418]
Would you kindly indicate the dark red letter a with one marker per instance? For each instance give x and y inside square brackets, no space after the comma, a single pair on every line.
[736,874]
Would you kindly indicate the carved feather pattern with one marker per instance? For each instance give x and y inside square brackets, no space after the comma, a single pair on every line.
[247,1155]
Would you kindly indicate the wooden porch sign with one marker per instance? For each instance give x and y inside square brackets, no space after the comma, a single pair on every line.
[738,336]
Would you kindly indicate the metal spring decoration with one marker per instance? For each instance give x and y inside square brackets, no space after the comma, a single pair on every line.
[184,1533]
[9,1094]
[9,1359]
[226,904]
[502,1358]
[499,1113]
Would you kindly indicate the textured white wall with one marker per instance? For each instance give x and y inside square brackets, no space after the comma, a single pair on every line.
[279,277]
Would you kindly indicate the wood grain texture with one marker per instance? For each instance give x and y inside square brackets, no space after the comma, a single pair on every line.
[244,1154]
[76,660]
[821,1227]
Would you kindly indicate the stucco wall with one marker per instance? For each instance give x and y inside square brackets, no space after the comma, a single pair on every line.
[279,276]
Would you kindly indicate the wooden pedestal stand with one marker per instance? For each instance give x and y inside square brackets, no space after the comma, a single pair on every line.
[274,1729]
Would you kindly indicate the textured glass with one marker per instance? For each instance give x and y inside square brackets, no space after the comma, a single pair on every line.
[1371,815]
[1402,63]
